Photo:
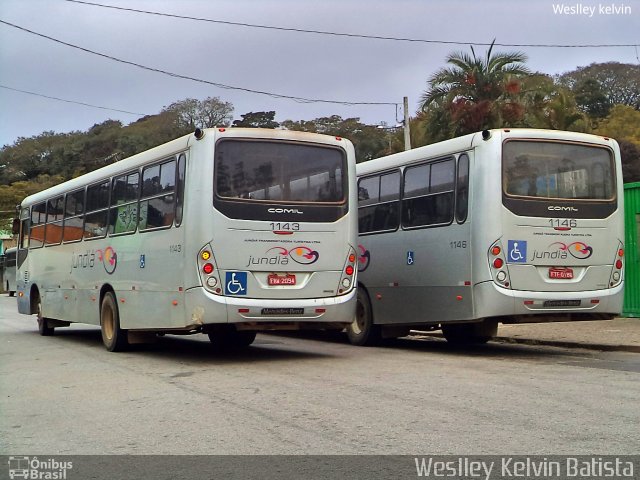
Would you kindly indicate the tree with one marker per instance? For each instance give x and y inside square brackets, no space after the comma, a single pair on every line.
[368,140]
[630,155]
[623,124]
[619,82]
[257,120]
[591,98]
[192,113]
[476,92]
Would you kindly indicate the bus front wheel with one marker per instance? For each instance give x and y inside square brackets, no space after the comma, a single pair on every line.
[362,331]
[470,333]
[113,337]
[43,323]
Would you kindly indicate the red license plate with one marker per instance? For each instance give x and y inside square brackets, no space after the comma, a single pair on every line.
[561,273]
[274,279]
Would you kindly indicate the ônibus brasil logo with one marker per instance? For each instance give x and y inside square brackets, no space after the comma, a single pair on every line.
[35,468]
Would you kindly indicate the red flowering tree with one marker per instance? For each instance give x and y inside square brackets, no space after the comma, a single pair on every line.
[474,93]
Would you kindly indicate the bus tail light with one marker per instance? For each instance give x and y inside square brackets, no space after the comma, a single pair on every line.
[618,265]
[347,282]
[208,271]
[497,265]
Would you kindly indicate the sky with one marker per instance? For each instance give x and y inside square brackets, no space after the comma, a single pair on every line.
[313,66]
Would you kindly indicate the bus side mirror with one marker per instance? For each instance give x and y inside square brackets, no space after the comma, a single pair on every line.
[15,229]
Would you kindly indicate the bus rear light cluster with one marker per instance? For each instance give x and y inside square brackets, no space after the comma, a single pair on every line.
[347,282]
[208,271]
[498,265]
[618,264]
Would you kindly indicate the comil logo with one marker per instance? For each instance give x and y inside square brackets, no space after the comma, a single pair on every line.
[35,468]
[558,208]
[285,210]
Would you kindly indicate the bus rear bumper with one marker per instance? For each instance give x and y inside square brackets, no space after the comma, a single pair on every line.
[519,306]
[266,314]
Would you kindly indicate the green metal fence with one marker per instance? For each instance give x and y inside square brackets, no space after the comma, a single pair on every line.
[632,250]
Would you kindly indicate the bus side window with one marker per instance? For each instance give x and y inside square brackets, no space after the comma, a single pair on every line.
[378,203]
[123,216]
[462,189]
[428,194]
[73,216]
[97,207]
[53,229]
[182,160]
[157,206]
[38,216]
[25,227]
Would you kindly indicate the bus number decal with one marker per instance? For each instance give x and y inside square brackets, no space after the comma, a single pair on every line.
[177,248]
[290,227]
[563,223]
[458,244]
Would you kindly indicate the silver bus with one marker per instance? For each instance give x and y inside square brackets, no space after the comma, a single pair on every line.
[500,226]
[9,273]
[227,232]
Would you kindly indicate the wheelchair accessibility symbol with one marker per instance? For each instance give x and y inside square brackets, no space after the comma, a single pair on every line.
[517,251]
[236,283]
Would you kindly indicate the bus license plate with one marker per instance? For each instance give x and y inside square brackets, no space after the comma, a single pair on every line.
[275,279]
[561,273]
[282,311]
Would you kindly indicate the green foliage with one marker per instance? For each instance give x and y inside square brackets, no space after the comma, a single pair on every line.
[623,123]
[192,113]
[368,140]
[257,120]
[618,82]
[475,93]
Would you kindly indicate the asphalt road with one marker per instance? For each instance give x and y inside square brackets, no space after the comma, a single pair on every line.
[316,394]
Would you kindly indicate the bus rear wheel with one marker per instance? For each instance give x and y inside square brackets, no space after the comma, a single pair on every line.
[362,331]
[470,333]
[43,323]
[113,337]
[227,337]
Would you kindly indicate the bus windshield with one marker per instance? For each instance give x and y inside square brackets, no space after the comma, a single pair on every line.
[267,171]
[554,170]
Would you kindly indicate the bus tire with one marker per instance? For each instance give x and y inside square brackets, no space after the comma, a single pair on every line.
[43,323]
[113,337]
[362,331]
[227,337]
[470,333]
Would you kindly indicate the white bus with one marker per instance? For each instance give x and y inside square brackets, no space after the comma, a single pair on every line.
[9,273]
[500,226]
[226,231]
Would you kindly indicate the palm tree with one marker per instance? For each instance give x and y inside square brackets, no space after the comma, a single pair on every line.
[477,92]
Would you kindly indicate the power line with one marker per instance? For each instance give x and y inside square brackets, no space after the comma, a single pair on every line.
[72,101]
[194,79]
[345,34]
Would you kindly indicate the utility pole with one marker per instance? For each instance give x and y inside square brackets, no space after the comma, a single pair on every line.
[407,138]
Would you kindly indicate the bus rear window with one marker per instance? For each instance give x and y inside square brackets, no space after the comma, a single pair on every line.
[554,170]
[279,172]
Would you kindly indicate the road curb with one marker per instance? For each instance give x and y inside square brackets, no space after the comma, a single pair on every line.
[565,344]
[552,343]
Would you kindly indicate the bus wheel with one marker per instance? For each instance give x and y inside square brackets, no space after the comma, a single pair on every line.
[43,323]
[362,331]
[470,333]
[113,337]
[227,337]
